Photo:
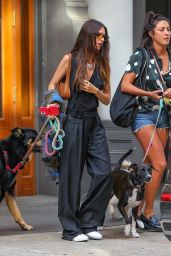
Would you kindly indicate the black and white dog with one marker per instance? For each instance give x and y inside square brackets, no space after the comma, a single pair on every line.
[128,191]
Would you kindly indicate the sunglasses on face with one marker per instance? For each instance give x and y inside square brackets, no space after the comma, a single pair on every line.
[100,36]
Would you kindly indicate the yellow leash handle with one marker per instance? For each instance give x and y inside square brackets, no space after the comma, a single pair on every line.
[167,101]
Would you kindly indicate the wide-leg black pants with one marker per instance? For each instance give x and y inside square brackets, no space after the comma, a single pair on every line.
[84,142]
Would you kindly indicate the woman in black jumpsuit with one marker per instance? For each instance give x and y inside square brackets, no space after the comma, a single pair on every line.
[85,141]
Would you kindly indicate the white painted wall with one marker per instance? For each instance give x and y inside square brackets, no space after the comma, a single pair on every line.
[117,16]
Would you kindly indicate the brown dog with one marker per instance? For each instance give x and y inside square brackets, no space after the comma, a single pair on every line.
[12,151]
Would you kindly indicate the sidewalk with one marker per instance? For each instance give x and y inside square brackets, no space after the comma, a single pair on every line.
[45,239]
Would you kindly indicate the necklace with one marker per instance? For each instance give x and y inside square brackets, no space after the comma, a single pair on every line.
[90,66]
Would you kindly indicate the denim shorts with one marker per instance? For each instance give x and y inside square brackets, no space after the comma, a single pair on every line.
[150,118]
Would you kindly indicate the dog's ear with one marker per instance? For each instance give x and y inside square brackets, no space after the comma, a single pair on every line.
[133,167]
[17,132]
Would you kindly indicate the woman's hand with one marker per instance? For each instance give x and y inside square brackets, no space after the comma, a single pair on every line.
[88,87]
[158,94]
[167,93]
[103,96]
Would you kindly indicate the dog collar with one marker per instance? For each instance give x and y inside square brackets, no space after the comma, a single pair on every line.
[134,184]
[15,169]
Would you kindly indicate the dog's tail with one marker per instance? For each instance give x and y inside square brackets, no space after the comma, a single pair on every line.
[119,163]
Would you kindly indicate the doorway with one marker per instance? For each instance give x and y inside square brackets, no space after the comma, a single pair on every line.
[17,77]
[159,6]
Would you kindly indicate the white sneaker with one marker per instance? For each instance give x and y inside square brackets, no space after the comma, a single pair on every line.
[80,238]
[140,224]
[94,235]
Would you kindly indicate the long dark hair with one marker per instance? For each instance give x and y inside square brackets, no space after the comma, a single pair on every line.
[85,48]
[150,23]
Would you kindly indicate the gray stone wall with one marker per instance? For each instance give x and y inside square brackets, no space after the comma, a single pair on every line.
[54,38]
[138,21]
[57,24]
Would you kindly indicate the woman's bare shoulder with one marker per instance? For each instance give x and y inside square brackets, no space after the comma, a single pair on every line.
[66,57]
[64,61]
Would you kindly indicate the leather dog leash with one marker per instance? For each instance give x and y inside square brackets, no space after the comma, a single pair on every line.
[37,138]
[20,164]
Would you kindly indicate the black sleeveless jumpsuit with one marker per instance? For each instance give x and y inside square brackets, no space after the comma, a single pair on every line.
[84,143]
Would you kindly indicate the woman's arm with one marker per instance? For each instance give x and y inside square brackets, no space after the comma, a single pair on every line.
[103,96]
[59,73]
[127,86]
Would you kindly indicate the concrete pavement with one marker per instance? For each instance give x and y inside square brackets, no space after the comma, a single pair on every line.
[114,243]
[45,239]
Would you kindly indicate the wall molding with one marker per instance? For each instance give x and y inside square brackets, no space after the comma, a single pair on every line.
[76,3]
[77,11]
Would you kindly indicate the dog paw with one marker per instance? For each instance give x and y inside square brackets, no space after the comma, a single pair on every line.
[140,224]
[127,229]
[135,234]
[100,228]
[26,227]
[111,211]
[112,216]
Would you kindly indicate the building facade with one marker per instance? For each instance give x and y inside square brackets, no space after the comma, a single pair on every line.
[35,34]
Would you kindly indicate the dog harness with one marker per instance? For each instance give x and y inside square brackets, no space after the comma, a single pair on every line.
[16,168]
